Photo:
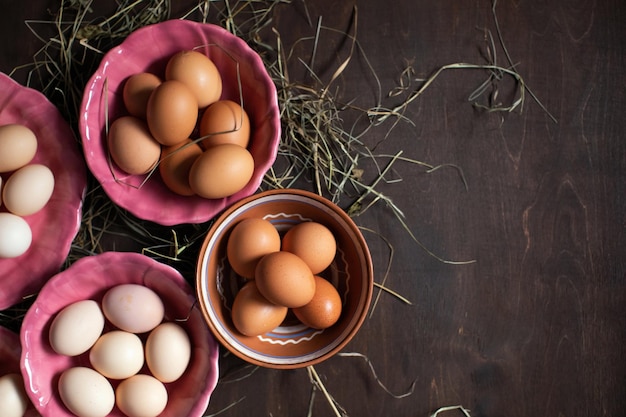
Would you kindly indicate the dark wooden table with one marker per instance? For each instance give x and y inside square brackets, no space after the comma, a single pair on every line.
[535,326]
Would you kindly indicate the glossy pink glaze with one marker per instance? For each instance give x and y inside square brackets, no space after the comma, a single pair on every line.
[90,278]
[55,226]
[147,50]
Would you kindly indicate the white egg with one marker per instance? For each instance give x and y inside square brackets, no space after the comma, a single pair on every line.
[141,396]
[133,307]
[117,354]
[18,145]
[168,351]
[86,393]
[15,235]
[28,189]
[13,398]
[76,328]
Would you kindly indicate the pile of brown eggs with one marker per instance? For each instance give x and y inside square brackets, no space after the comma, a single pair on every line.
[179,122]
[282,274]
[27,188]
[139,350]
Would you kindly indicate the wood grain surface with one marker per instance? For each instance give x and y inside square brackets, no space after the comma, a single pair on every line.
[535,325]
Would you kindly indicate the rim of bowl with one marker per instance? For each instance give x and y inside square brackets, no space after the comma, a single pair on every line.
[202,290]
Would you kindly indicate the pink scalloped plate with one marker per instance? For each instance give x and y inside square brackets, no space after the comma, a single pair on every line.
[10,351]
[147,50]
[90,278]
[55,226]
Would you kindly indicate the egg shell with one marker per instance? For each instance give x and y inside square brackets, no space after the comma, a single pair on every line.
[131,145]
[175,165]
[249,241]
[136,92]
[141,395]
[76,328]
[324,309]
[13,398]
[18,146]
[28,189]
[225,122]
[117,354]
[0,191]
[285,279]
[172,112]
[16,235]
[221,171]
[253,314]
[198,72]
[133,308]
[85,392]
[313,242]
[168,351]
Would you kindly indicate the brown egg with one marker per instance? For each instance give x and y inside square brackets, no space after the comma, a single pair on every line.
[221,171]
[313,242]
[253,314]
[132,147]
[172,112]
[249,241]
[175,164]
[324,309]
[199,73]
[227,117]
[136,92]
[284,279]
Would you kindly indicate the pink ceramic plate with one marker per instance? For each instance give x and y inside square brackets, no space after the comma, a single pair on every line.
[10,350]
[56,225]
[90,278]
[147,50]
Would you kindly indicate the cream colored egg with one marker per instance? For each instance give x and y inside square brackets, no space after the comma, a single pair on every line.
[141,396]
[13,398]
[18,145]
[168,350]
[76,328]
[132,307]
[15,235]
[28,189]
[86,393]
[117,354]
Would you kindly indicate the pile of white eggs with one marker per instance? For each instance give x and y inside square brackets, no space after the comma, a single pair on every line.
[131,360]
[13,398]
[25,188]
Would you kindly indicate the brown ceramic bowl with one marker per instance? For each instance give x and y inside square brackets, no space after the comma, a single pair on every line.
[291,345]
